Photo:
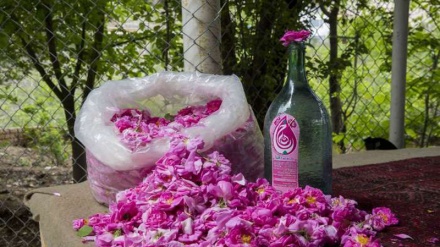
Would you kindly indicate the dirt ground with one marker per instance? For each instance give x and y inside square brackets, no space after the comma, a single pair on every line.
[21,170]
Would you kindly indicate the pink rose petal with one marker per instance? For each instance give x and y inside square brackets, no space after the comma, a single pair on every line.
[294,36]
[433,240]
[403,236]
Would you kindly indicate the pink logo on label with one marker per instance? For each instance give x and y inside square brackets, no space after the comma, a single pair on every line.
[284,140]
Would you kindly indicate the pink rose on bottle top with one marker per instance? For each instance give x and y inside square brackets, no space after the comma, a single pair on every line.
[294,36]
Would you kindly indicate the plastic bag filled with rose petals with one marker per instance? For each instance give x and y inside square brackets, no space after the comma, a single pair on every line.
[211,107]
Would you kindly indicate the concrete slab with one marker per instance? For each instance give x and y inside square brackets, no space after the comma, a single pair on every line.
[382,156]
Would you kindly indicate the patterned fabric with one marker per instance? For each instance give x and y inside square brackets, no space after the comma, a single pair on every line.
[410,188]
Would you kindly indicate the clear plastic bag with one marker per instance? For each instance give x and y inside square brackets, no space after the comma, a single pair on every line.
[231,130]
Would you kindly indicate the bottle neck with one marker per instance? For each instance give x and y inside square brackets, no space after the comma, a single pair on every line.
[296,76]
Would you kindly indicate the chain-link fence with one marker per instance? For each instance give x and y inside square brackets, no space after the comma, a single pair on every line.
[53,53]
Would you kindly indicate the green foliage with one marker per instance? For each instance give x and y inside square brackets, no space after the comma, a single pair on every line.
[84,231]
[100,40]
[251,48]
[42,123]
[423,113]
[152,44]
[33,108]
[5,94]
[74,45]
[49,141]
[365,70]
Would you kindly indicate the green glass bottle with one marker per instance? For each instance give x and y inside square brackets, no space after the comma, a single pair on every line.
[297,132]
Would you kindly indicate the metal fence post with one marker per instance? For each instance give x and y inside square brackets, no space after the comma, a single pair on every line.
[398,72]
[201,35]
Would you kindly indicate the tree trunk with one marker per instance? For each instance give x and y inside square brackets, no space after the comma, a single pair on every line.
[227,46]
[435,112]
[334,79]
[78,152]
[268,29]
[425,121]
[79,161]
[423,138]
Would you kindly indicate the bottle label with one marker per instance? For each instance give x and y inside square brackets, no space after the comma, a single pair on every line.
[284,136]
